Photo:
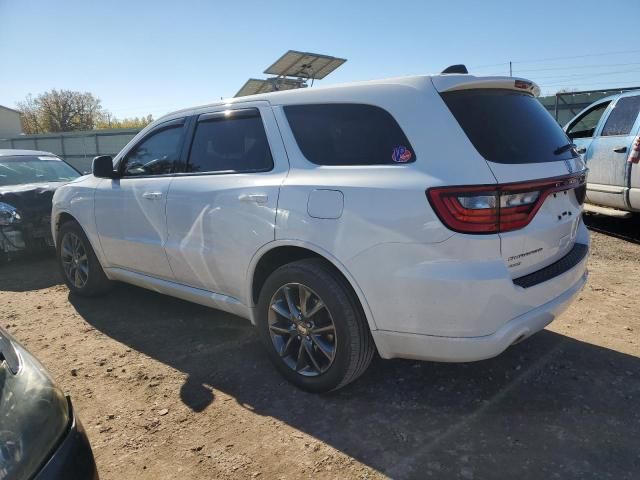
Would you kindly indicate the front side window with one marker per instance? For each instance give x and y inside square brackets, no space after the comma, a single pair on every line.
[157,154]
[348,134]
[234,143]
[622,117]
[585,126]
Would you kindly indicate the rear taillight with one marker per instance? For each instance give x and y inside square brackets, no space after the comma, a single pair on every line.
[634,154]
[496,208]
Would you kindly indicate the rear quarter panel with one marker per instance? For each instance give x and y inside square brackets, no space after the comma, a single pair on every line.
[382,203]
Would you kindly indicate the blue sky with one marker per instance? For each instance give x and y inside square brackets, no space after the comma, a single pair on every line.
[143,57]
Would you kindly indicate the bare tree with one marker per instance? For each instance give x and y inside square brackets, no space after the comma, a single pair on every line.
[60,111]
[30,118]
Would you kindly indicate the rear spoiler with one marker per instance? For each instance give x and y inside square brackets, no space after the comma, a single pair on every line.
[453,82]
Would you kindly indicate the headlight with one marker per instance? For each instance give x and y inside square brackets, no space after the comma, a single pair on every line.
[9,215]
[34,413]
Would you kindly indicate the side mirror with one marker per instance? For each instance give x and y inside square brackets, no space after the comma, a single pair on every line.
[102,167]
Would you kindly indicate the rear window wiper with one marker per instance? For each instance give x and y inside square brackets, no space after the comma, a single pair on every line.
[564,148]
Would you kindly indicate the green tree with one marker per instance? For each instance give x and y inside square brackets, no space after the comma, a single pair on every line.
[60,111]
[107,121]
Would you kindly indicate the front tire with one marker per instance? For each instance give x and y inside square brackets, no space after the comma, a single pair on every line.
[78,263]
[313,326]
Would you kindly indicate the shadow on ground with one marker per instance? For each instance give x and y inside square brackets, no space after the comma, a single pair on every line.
[623,228]
[30,272]
[551,407]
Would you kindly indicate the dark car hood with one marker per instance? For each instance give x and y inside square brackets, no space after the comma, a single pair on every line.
[32,200]
[34,413]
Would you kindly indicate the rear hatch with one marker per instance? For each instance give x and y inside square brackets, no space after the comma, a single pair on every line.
[540,176]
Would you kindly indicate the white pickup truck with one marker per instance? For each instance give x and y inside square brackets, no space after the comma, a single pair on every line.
[607,134]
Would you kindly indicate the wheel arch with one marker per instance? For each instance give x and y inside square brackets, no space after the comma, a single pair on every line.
[280,252]
[63,216]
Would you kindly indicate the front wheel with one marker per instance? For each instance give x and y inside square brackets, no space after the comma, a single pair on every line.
[78,263]
[313,326]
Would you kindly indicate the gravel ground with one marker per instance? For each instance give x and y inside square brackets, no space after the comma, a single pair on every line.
[168,389]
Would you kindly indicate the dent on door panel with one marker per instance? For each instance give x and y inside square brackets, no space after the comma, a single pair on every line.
[132,228]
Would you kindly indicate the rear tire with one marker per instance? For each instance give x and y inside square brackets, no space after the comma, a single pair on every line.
[325,343]
[78,263]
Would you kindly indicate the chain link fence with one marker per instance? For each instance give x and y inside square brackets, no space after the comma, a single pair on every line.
[566,105]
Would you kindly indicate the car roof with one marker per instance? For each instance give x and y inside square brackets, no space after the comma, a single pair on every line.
[615,96]
[345,91]
[7,152]
[628,93]
[301,95]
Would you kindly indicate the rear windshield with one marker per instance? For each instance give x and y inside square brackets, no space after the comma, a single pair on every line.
[508,127]
[20,170]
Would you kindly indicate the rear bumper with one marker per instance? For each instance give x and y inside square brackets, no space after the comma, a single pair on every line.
[73,459]
[456,301]
[468,349]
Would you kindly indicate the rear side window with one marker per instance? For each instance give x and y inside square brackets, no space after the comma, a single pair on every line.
[235,142]
[348,134]
[622,117]
[508,127]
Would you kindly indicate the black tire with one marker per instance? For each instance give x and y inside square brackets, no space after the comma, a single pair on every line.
[96,282]
[353,345]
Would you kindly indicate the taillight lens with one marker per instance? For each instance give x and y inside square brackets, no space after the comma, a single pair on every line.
[496,208]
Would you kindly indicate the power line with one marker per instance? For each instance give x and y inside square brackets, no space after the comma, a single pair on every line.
[590,84]
[571,67]
[579,56]
[550,59]
[569,81]
[585,75]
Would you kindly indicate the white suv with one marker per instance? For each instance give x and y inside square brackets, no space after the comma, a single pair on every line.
[428,217]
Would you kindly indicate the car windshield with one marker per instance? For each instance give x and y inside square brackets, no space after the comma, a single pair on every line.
[18,170]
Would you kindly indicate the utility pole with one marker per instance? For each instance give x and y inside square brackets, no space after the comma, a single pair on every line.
[510,69]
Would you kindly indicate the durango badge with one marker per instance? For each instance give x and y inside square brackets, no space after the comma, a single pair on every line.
[401,155]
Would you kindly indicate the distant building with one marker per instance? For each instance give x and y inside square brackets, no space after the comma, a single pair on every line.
[10,125]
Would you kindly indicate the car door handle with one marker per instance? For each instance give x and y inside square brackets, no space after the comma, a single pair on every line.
[581,150]
[254,197]
[620,149]
[152,195]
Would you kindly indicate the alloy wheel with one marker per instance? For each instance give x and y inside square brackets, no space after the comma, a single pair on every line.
[302,329]
[75,261]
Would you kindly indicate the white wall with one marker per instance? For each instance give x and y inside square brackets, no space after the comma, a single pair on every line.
[9,123]
[78,147]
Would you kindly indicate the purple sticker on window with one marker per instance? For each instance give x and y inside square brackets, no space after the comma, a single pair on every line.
[401,155]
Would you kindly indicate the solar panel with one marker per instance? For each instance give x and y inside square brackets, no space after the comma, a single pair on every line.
[304,65]
[254,86]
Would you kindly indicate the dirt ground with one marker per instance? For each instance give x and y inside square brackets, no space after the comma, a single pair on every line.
[168,389]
